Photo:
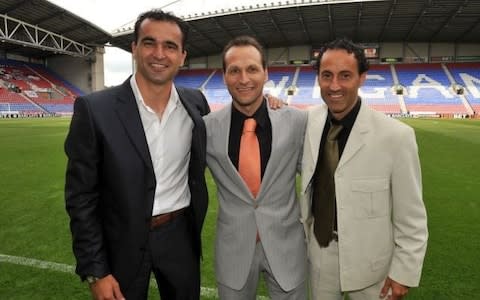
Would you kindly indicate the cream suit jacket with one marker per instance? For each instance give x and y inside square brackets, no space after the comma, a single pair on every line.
[275,212]
[382,223]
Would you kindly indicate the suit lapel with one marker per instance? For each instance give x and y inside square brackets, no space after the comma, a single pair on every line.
[221,136]
[236,178]
[275,119]
[356,139]
[316,122]
[315,133]
[129,115]
[198,150]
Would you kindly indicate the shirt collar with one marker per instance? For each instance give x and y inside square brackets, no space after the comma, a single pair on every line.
[173,101]
[260,115]
[349,119]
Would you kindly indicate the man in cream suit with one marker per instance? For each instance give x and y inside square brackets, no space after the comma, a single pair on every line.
[258,231]
[377,239]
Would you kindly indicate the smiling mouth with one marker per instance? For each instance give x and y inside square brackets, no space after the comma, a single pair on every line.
[336,96]
[157,66]
[244,89]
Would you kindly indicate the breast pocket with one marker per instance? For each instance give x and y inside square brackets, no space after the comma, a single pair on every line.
[371,197]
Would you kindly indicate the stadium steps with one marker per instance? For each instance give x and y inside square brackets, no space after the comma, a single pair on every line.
[465,102]
[401,100]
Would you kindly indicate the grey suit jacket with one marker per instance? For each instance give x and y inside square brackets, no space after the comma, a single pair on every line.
[275,212]
[382,221]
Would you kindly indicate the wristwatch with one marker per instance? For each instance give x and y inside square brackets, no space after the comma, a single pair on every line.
[91,279]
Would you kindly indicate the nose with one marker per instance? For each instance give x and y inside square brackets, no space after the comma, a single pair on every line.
[334,86]
[244,77]
[159,52]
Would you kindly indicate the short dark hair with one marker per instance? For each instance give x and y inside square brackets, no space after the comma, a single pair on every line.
[244,40]
[350,47]
[160,15]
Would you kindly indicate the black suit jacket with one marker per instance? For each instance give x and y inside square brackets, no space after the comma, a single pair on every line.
[110,182]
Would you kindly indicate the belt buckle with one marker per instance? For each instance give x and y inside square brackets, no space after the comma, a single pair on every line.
[335,235]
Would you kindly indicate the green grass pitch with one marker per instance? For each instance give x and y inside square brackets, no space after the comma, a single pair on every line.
[34,224]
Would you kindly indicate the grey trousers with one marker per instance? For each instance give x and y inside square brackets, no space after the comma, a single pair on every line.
[249,291]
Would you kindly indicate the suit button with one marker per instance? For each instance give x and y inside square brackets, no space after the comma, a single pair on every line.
[255,206]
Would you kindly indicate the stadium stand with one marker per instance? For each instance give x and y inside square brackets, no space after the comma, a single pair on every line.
[192,78]
[288,30]
[377,90]
[30,90]
[467,76]
[306,91]
[279,80]
[428,89]
[215,90]
[425,89]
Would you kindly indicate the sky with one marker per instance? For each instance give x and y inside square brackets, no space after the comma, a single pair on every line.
[110,15]
[113,14]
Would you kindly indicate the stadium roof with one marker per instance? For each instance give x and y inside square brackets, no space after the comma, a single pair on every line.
[276,24]
[40,28]
[313,22]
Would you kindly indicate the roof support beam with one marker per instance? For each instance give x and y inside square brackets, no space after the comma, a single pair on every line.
[452,16]
[470,29]
[274,23]
[389,18]
[219,25]
[419,20]
[240,16]
[210,40]
[304,28]
[196,49]
[17,32]
[330,22]
[359,21]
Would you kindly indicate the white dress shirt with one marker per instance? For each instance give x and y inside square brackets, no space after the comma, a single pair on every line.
[169,139]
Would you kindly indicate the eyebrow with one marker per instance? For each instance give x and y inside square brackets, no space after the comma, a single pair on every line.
[171,43]
[151,39]
[147,39]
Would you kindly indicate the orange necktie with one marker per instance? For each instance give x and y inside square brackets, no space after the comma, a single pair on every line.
[249,157]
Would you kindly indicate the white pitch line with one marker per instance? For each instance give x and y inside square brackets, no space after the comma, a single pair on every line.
[42,264]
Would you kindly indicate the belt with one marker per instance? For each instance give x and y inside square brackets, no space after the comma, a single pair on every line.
[161,219]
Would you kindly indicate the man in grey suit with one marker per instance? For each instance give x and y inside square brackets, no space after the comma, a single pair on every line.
[371,240]
[257,231]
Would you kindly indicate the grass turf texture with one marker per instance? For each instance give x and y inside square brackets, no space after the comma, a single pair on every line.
[34,224]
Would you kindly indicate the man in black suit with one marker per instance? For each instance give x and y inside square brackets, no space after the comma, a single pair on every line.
[135,188]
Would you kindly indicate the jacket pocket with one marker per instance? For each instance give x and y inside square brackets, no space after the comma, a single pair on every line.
[371,197]
[381,263]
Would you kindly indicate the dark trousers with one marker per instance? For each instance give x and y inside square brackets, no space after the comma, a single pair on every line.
[172,259]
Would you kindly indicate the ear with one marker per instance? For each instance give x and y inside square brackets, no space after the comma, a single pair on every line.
[133,45]
[363,77]
[266,75]
[184,56]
